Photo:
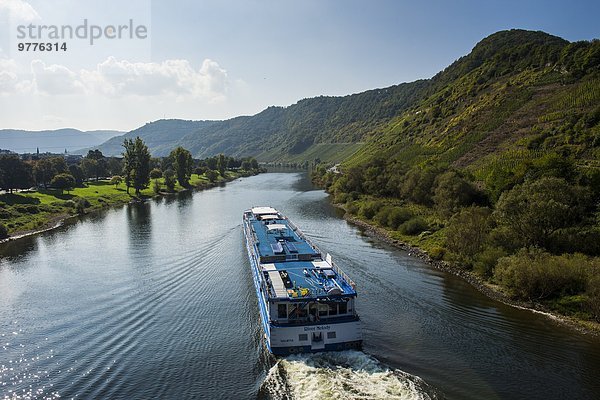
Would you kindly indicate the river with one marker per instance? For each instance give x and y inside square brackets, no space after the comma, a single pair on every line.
[155,300]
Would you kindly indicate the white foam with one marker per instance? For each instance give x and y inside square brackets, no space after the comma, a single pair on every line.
[340,375]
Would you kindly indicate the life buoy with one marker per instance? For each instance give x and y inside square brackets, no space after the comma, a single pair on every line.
[292,350]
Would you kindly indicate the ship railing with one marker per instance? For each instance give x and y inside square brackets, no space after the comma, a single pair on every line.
[302,235]
[344,276]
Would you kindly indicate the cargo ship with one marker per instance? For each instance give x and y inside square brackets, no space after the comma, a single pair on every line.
[306,302]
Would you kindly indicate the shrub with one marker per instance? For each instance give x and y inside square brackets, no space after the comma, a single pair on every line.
[69,203]
[170,180]
[437,253]
[340,197]
[155,173]
[81,204]
[397,216]
[467,232]
[382,216]
[352,208]
[413,226]
[3,232]
[211,175]
[593,295]
[486,261]
[534,274]
[369,209]
[156,186]
[27,208]
[572,305]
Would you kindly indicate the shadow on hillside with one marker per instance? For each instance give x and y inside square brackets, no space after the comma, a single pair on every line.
[56,193]
[14,198]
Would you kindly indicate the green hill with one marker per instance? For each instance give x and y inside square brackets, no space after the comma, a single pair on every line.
[281,133]
[517,90]
[495,169]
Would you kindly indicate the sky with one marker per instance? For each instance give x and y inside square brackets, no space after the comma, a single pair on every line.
[196,59]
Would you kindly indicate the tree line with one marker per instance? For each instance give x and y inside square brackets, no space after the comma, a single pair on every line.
[135,168]
[535,231]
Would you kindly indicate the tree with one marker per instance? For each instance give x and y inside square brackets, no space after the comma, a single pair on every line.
[95,154]
[114,166]
[169,176]
[89,167]
[200,171]
[211,175]
[63,182]
[253,163]
[156,173]
[59,164]
[96,164]
[43,172]
[452,192]
[116,180]
[246,165]
[211,163]
[221,164]
[136,164]
[418,184]
[183,163]
[534,211]
[77,173]
[17,174]
[468,231]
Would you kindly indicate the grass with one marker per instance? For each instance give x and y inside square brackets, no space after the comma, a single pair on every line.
[29,211]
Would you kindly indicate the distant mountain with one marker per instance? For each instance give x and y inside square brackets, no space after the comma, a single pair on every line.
[513,86]
[279,132]
[54,141]
[160,136]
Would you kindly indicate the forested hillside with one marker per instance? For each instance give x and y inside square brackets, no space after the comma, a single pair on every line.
[281,133]
[496,168]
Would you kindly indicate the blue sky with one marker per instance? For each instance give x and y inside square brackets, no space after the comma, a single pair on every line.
[220,59]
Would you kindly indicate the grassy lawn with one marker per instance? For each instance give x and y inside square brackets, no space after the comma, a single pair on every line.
[26,211]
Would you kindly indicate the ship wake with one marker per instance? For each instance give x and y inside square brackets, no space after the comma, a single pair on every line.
[340,375]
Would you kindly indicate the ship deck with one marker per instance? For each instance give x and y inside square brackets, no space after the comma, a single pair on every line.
[307,280]
[294,268]
[276,237]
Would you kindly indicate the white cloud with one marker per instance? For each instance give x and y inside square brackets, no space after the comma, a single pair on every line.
[171,77]
[55,79]
[11,82]
[20,10]
[119,78]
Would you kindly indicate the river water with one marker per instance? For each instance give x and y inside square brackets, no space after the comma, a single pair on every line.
[156,301]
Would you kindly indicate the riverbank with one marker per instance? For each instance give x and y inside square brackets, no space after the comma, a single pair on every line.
[34,212]
[491,291]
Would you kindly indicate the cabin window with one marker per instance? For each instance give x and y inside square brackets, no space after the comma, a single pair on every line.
[343,308]
[333,309]
[303,337]
[281,310]
[323,310]
[330,335]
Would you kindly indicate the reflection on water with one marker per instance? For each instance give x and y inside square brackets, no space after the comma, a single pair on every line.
[155,300]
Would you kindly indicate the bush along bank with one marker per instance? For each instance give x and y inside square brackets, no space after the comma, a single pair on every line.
[535,246]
